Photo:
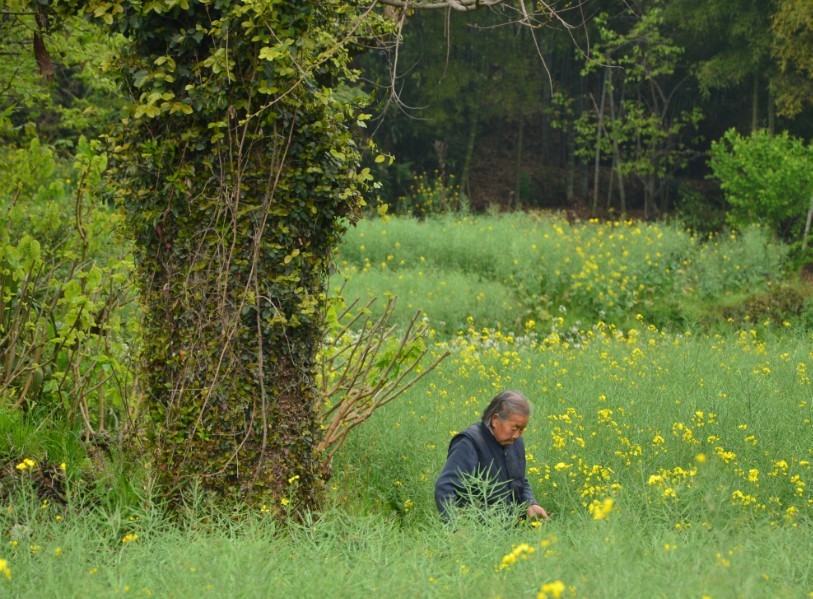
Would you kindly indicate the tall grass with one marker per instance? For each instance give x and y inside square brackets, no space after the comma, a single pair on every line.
[504,270]
[674,462]
[699,441]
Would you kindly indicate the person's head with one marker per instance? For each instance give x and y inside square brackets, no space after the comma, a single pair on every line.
[507,416]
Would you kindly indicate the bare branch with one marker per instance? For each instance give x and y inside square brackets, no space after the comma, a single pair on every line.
[380,366]
[459,5]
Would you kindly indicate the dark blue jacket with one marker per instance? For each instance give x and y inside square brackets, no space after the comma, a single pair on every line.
[476,451]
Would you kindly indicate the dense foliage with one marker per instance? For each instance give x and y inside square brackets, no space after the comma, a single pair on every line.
[766,178]
[66,320]
[228,133]
[622,123]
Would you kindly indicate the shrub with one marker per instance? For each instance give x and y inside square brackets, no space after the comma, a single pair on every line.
[64,285]
[766,178]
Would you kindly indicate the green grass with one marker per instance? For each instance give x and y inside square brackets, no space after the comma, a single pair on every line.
[353,556]
[700,439]
[503,270]
[611,412]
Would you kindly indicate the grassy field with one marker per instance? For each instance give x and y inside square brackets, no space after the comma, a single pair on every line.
[676,461]
[500,272]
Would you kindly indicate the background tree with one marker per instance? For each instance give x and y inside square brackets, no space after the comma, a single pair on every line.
[793,47]
[766,179]
[634,121]
[727,46]
[478,84]
[52,80]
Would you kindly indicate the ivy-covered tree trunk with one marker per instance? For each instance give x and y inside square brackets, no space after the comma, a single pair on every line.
[241,176]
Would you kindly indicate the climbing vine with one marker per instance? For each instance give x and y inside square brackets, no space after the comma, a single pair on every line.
[239,172]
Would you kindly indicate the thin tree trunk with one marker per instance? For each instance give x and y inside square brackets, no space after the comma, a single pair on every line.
[518,175]
[755,104]
[610,185]
[807,225]
[570,168]
[599,130]
[617,155]
[470,143]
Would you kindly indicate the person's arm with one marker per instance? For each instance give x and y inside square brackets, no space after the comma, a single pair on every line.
[534,509]
[527,492]
[462,459]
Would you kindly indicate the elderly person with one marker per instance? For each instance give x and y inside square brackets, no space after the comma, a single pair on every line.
[492,448]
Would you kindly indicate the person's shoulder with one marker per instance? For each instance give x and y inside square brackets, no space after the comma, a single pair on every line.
[471,434]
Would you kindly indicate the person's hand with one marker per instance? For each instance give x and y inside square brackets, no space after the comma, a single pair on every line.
[537,511]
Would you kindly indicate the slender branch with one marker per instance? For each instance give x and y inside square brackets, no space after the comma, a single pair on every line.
[460,5]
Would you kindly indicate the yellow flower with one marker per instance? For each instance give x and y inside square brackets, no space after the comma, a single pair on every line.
[523,550]
[129,538]
[5,569]
[600,509]
[25,464]
[551,590]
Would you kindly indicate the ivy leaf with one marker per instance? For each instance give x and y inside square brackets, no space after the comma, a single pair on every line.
[269,53]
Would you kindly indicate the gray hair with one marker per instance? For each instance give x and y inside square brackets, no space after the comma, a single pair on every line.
[505,404]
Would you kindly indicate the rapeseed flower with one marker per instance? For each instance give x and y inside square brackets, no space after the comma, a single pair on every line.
[26,464]
[600,509]
[521,551]
[551,590]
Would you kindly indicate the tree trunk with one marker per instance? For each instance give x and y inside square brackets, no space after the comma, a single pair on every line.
[230,286]
[617,155]
[808,222]
[518,199]
[470,144]
[599,131]
[570,166]
[755,103]
[236,195]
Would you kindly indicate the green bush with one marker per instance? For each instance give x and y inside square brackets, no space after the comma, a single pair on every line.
[766,178]
[427,197]
[65,325]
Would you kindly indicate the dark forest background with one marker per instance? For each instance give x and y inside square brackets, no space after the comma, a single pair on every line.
[613,114]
